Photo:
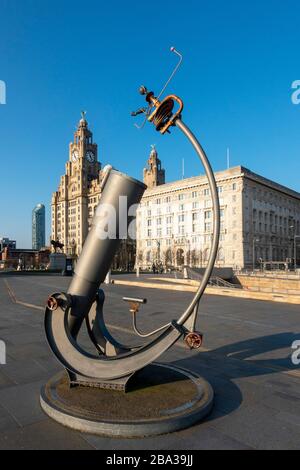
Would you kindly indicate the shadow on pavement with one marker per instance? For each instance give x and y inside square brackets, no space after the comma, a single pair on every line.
[221,366]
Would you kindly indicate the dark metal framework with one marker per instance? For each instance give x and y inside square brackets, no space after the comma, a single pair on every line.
[113,363]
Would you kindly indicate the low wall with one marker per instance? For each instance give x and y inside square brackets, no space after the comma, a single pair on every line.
[238,293]
[268,283]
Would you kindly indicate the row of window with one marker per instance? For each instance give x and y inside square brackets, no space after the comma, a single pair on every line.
[183,217]
[272,196]
[193,195]
[168,231]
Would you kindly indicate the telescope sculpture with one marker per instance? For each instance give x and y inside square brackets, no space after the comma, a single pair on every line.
[112,364]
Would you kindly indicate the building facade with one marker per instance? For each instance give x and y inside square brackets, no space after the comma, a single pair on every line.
[260,221]
[24,259]
[38,227]
[78,194]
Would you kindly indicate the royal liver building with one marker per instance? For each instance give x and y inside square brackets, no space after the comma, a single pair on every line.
[78,193]
[74,203]
[260,220]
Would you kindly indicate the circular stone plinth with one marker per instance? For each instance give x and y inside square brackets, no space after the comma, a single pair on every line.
[160,399]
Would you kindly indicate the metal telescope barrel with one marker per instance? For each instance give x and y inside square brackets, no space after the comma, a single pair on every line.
[119,194]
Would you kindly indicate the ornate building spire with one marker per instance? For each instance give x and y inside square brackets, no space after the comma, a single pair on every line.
[83,122]
[154,174]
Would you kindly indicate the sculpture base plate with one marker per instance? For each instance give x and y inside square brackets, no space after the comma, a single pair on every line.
[161,398]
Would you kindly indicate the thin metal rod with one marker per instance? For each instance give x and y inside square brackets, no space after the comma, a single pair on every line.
[174,71]
[146,335]
[216,224]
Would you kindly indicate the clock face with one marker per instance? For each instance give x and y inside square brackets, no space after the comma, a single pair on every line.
[75,156]
[90,156]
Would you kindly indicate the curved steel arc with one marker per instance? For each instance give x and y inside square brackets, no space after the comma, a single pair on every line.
[98,332]
[216,220]
[74,358]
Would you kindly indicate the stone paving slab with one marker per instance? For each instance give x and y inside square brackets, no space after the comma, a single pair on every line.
[246,357]
[46,435]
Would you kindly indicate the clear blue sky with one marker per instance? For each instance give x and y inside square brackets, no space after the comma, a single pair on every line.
[59,57]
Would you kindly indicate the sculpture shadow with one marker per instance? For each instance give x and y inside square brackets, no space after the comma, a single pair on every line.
[220,366]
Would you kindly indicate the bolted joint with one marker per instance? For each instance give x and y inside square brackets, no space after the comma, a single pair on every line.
[61,300]
[53,303]
[194,340]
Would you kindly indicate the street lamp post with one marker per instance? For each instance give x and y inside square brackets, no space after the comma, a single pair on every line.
[295,251]
[253,252]
[158,252]
[295,246]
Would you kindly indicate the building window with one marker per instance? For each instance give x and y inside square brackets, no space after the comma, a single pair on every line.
[181,196]
[195,205]
[194,194]
[234,187]
[181,218]
[207,226]
[206,192]
[207,215]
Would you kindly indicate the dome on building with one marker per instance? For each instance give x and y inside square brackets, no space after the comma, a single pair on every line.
[83,121]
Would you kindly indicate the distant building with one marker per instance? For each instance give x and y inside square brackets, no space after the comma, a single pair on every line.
[260,220]
[38,227]
[24,258]
[7,243]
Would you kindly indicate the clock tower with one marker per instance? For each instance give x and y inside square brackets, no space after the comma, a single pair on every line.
[78,194]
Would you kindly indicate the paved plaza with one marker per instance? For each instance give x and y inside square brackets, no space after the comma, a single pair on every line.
[246,357]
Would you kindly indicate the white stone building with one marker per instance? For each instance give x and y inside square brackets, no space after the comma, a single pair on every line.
[78,194]
[259,220]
